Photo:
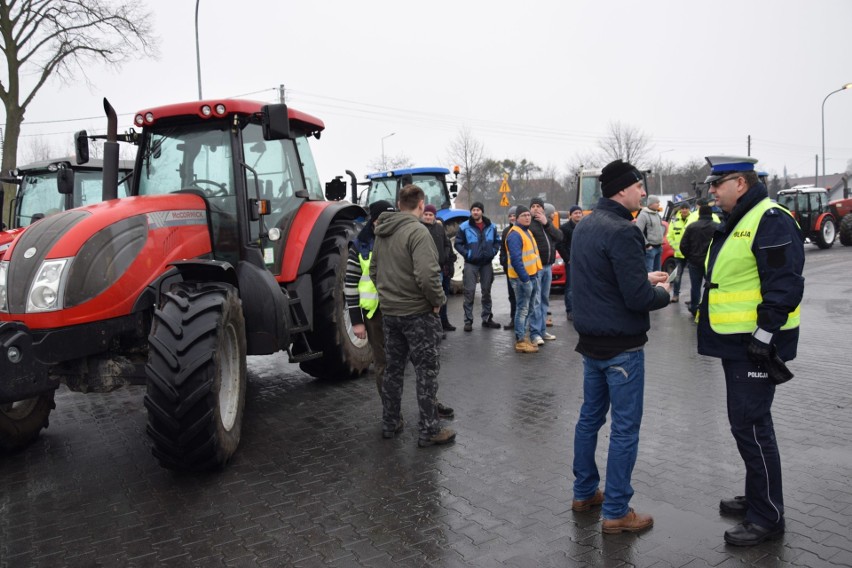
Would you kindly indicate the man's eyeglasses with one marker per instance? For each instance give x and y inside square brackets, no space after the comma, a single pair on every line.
[719,182]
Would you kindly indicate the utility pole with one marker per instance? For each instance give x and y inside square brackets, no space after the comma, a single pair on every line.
[281,93]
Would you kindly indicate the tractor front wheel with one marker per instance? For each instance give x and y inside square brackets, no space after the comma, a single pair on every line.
[344,356]
[846,230]
[196,376]
[21,421]
[827,233]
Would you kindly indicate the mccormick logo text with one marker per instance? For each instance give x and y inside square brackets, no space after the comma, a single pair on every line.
[160,219]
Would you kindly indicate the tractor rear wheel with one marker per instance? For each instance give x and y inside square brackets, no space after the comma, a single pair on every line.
[21,421]
[344,356]
[827,233]
[196,387]
[846,230]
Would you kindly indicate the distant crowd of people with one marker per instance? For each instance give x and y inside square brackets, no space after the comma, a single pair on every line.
[746,286]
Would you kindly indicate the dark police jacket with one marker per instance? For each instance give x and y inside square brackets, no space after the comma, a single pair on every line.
[779,251]
[612,295]
[696,239]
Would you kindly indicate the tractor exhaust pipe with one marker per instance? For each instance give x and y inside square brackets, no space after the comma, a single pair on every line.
[354,179]
[110,186]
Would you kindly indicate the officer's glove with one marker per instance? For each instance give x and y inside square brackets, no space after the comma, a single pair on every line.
[766,356]
[759,352]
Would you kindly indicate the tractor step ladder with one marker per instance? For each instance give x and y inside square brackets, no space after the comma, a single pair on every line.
[300,350]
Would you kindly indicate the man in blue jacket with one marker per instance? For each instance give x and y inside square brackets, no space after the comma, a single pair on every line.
[613,294]
[478,243]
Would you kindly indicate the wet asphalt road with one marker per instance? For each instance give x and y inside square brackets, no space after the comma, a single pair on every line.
[314,484]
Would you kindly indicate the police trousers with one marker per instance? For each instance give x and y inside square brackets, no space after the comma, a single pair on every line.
[750,394]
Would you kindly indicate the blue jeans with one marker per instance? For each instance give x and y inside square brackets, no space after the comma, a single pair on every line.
[526,302]
[653,257]
[618,383]
[538,319]
[485,272]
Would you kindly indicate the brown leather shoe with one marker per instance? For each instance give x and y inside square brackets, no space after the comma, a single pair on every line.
[585,504]
[631,522]
[525,346]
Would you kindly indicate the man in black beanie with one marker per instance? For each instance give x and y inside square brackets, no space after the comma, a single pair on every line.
[478,243]
[613,294]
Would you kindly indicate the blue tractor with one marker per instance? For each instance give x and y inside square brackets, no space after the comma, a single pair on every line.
[433,182]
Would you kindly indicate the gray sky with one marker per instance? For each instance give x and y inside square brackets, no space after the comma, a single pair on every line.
[539,79]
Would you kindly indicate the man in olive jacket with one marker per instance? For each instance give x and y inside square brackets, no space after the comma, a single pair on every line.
[408,279]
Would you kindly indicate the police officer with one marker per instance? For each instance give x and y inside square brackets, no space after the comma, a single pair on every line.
[749,318]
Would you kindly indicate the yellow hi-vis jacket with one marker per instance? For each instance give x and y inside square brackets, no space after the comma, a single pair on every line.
[368,296]
[529,253]
[734,290]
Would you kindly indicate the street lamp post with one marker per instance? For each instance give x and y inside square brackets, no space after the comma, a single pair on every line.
[197,50]
[384,165]
[843,88]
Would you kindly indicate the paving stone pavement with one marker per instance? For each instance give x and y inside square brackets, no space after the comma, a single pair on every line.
[314,484]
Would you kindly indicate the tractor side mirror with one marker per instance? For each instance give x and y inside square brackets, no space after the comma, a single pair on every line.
[275,121]
[335,190]
[81,147]
[454,190]
[64,178]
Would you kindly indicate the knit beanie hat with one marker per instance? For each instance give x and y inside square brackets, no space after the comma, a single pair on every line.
[380,207]
[478,204]
[520,209]
[618,175]
[430,209]
[574,208]
[513,210]
[537,201]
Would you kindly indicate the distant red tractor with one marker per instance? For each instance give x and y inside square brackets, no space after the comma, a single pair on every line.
[225,248]
[817,218]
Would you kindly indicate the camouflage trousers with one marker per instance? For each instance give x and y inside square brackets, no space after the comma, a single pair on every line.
[376,339]
[413,338]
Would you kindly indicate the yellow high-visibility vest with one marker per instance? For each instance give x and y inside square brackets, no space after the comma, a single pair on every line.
[368,296]
[529,253]
[734,292]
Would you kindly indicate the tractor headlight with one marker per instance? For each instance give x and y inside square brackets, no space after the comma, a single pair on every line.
[4,269]
[47,288]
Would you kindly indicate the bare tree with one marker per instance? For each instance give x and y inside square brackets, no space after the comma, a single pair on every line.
[39,149]
[626,143]
[43,38]
[469,153]
[386,163]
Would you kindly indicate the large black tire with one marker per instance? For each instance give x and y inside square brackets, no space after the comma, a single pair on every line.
[827,233]
[22,421]
[670,265]
[196,387]
[846,230]
[344,356]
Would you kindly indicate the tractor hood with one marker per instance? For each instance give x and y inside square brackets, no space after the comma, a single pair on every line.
[92,263]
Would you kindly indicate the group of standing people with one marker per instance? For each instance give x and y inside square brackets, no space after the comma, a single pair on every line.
[748,316]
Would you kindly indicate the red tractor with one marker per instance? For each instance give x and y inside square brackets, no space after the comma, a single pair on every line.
[225,248]
[809,205]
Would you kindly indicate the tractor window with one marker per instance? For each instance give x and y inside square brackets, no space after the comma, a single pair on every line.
[88,187]
[312,179]
[816,202]
[194,157]
[802,202]
[590,191]
[380,189]
[788,201]
[39,196]
[434,189]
